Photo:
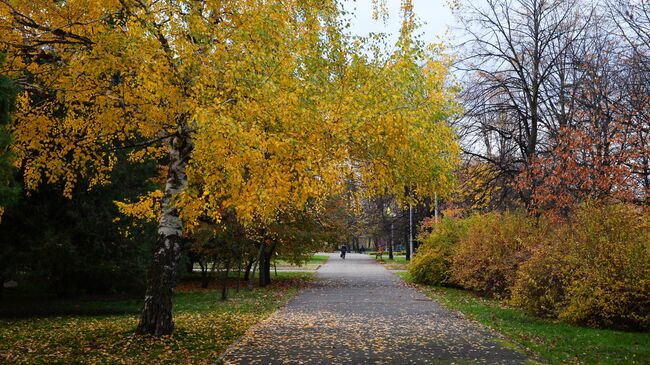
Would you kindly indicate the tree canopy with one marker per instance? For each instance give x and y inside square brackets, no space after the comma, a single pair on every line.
[256,106]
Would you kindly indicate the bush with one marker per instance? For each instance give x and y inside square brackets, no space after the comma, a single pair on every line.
[433,259]
[594,272]
[591,271]
[487,258]
[540,283]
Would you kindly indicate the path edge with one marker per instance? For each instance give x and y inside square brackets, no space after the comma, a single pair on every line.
[534,357]
[221,360]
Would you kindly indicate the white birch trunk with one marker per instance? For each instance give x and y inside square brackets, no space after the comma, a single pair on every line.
[157,313]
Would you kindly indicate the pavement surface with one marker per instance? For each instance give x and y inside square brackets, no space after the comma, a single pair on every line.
[360,313]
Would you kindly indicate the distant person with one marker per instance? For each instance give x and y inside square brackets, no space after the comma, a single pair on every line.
[344,249]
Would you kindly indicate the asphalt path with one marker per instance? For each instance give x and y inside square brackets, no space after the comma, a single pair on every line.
[360,313]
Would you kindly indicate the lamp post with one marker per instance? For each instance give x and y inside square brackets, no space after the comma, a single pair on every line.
[410,231]
[391,215]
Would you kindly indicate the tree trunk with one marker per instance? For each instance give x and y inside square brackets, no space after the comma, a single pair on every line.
[224,281]
[156,316]
[247,271]
[408,246]
[204,274]
[390,248]
[265,265]
[239,261]
[259,258]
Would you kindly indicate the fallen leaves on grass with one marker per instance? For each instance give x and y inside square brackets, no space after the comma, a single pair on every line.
[205,326]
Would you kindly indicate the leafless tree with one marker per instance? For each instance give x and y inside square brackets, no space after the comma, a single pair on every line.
[632,19]
[518,60]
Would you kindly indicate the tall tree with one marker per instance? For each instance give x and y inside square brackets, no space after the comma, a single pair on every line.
[517,60]
[8,191]
[255,107]
[8,92]
[632,21]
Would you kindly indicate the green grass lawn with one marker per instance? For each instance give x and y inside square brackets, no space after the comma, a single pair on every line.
[314,262]
[398,262]
[101,331]
[555,342]
[319,259]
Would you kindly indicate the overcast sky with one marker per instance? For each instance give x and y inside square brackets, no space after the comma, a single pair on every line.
[435,13]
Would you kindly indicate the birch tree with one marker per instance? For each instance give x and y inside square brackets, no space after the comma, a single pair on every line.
[256,107]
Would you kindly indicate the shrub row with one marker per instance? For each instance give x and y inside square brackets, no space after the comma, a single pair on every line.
[593,270]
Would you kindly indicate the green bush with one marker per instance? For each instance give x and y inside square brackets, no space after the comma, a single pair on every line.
[487,258]
[595,273]
[431,263]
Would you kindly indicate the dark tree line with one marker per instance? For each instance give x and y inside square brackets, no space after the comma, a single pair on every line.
[228,246]
[74,247]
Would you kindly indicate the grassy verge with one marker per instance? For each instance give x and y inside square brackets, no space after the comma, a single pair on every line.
[314,263]
[398,263]
[205,326]
[555,342]
[319,259]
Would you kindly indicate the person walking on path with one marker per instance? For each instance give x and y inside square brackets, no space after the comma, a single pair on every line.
[344,249]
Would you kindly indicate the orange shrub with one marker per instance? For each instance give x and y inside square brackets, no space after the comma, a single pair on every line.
[430,265]
[541,280]
[487,258]
[610,255]
[595,271]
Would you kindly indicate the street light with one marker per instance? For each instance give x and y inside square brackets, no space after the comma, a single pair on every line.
[410,230]
[411,222]
[391,214]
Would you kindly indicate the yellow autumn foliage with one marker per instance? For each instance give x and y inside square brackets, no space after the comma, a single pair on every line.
[593,271]
[590,271]
[282,107]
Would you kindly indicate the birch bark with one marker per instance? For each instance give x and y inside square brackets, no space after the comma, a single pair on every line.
[156,316]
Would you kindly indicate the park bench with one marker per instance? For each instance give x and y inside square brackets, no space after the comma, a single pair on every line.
[379,255]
